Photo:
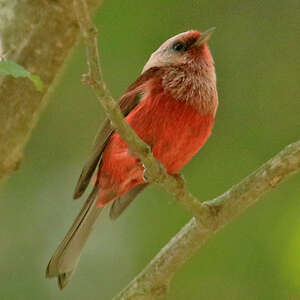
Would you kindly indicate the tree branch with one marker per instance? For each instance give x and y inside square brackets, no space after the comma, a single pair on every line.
[39,35]
[154,171]
[154,280]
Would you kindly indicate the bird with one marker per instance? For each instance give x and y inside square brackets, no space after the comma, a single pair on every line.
[171,106]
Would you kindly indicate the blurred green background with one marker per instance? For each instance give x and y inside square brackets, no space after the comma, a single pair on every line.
[256,48]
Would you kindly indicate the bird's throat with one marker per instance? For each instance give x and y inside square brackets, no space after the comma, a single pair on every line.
[194,85]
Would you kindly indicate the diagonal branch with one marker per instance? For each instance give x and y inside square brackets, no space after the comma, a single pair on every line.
[154,280]
[154,171]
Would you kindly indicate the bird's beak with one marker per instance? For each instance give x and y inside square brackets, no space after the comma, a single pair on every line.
[205,36]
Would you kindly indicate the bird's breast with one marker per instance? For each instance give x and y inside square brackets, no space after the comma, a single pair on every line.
[174,129]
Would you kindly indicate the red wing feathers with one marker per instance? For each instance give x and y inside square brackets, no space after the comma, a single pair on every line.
[127,103]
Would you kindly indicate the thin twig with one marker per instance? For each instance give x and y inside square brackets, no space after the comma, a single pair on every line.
[154,171]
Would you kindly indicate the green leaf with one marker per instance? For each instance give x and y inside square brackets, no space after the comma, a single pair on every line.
[37,82]
[8,67]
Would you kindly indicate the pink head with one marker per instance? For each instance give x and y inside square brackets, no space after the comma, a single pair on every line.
[189,47]
[187,69]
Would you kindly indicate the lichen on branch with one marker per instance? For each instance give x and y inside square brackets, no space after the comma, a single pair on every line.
[222,210]
[26,37]
[154,171]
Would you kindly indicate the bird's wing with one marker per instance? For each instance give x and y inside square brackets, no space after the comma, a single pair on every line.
[128,102]
[66,257]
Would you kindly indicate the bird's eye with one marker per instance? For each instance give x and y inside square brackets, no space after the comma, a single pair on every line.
[179,46]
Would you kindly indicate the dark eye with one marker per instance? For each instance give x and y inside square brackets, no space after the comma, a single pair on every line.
[179,46]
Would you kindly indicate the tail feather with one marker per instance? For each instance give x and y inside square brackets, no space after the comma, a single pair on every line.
[66,257]
[122,203]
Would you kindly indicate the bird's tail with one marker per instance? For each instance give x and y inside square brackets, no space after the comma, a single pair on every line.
[66,257]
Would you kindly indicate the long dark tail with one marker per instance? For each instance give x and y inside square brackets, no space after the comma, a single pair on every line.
[120,204]
[66,257]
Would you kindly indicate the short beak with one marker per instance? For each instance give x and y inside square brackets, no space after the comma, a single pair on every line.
[205,36]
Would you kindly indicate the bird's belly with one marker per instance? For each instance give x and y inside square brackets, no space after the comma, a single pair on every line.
[181,142]
[174,129]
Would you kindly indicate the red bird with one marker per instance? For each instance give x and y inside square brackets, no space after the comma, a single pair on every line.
[172,107]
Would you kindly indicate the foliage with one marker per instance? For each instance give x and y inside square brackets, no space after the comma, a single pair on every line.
[9,67]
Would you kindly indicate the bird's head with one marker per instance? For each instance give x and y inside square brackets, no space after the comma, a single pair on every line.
[189,47]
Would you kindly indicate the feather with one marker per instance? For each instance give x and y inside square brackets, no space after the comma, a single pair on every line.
[128,102]
[65,259]
[123,202]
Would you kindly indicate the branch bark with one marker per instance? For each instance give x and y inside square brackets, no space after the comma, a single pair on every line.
[38,35]
[154,171]
[210,216]
[153,282]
